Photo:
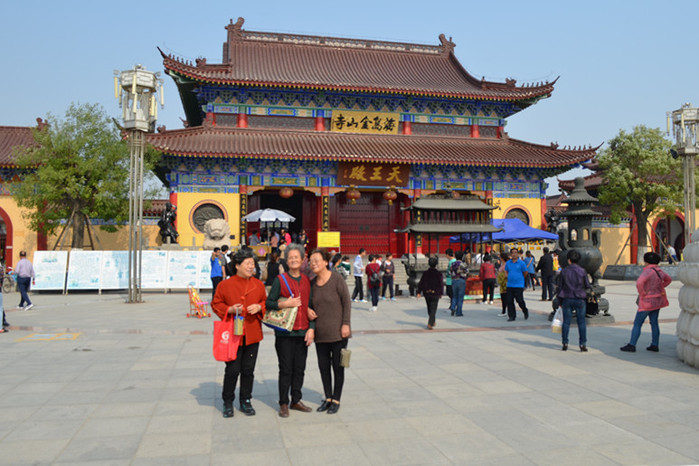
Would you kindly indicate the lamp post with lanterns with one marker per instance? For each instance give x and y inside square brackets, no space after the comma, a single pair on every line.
[136,91]
[685,124]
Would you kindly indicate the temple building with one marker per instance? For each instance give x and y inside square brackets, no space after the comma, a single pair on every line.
[343,133]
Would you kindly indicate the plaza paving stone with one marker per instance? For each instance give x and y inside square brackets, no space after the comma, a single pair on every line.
[89,379]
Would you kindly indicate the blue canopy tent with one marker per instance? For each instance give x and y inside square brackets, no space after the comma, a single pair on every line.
[513,229]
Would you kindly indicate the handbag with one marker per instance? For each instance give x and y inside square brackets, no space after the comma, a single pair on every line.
[557,323]
[282,319]
[592,306]
[345,356]
[225,341]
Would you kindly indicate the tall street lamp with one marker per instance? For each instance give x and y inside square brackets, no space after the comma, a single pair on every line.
[685,124]
[136,91]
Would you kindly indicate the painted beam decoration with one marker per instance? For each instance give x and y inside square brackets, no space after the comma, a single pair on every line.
[347,121]
[373,174]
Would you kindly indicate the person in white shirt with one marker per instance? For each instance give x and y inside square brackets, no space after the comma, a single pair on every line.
[358,272]
[25,278]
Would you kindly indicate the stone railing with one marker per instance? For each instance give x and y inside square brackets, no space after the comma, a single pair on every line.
[688,322]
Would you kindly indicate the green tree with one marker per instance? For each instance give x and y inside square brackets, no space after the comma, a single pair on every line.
[640,175]
[79,167]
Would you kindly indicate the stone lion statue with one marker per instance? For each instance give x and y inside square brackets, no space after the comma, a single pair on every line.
[216,233]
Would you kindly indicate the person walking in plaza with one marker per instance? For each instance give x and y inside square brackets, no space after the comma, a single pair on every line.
[244,295]
[545,266]
[388,271]
[573,286]
[358,272]
[447,277]
[330,301]
[516,273]
[501,278]
[292,289]
[373,280]
[459,271]
[652,297]
[431,286]
[487,275]
[531,270]
[25,278]
[217,271]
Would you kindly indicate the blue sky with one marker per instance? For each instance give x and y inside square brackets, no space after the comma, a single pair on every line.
[621,63]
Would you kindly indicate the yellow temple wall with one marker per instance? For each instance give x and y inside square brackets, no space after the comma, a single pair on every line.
[23,238]
[531,206]
[190,237]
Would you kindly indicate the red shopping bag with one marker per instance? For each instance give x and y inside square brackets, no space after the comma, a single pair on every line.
[225,342]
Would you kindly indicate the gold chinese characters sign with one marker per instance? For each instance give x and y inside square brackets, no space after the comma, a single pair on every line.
[348,121]
[373,174]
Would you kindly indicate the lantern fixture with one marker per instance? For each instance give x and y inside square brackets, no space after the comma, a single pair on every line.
[353,194]
[286,192]
[390,195]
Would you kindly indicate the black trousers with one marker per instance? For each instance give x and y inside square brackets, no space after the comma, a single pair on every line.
[291,354]
[387,283]
[547,286]
[515,294]
[244,365]
[450,293]
[432,302]
[329,358]
[214,282]
[358,288]
[488,288]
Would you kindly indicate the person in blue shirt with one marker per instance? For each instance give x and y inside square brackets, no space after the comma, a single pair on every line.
[516,272]
[217,273]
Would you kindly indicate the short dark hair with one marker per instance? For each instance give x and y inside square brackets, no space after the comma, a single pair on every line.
[459,255]
[323,253]
[241,255]
[546,250]
[486,257]
[361,250]
[449,252]
[224,248]
[652,258]
[433,261]
[217,249]
[371,257]
[573,256]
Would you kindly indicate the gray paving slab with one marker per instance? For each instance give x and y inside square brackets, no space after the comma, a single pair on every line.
[88,379]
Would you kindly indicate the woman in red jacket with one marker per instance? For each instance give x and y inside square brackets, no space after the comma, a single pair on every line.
[242,294]
[373,280]
[651,297]
[487,275]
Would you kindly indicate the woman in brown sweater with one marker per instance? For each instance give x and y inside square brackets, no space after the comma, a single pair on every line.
[332,305]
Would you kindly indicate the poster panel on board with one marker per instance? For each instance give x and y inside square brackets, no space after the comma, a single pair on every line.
[50,270]
[84,270]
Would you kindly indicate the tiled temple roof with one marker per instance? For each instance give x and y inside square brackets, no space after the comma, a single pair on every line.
[12,136]
[330,63]
[224,141]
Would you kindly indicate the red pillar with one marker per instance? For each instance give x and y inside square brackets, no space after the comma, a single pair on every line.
[242,120]
[500,130]
[407,127]
[475,131]
[320,123]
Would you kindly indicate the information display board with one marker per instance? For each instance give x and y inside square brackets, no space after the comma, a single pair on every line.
[329,239]
[115,270]
[204,270]
[154,270]
[50,270]
[84,270]
[182,268]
